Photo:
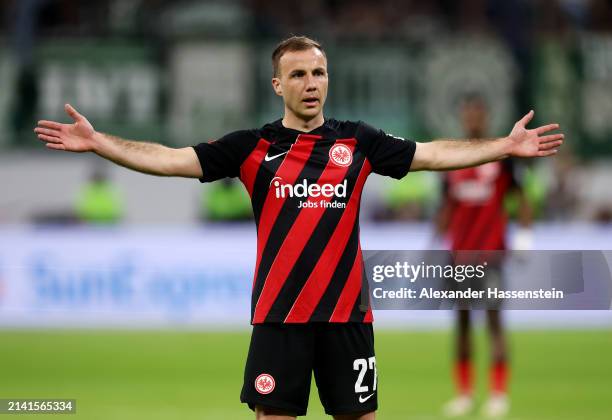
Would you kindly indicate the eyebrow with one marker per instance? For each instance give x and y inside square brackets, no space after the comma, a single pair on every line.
[294,71]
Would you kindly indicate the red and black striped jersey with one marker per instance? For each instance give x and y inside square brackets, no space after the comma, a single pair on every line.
[476,198]
[305,190]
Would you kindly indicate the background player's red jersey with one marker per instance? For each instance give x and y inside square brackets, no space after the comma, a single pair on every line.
[475,197]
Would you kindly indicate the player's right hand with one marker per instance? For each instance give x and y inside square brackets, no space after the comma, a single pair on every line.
[76,137]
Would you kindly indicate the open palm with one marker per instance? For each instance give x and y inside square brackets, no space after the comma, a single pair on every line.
[532,142]
[76,137]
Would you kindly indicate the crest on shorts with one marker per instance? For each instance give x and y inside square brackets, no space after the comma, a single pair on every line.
[264,383]
[341,155]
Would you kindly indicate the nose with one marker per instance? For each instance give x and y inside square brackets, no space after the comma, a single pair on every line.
[310,83]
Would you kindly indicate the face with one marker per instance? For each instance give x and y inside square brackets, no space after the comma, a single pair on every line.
[474,117]
[302,82]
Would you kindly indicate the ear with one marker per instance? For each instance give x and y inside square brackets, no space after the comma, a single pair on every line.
[276,85]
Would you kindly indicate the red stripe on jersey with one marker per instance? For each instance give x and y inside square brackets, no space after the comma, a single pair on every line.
[369,318]
[321,275]
[250,166]
[289,170]
[350,292]
[295,241]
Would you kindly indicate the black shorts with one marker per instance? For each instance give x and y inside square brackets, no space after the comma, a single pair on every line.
[282,358]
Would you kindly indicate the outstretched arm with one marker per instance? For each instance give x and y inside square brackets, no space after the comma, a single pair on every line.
[442,155]
[149,158]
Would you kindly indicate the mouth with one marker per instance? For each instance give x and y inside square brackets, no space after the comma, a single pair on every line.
[311,101]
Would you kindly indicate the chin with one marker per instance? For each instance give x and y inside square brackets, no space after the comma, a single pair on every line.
[311,113]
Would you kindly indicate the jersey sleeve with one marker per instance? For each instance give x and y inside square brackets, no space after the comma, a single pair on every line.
[222,158]
[388,155]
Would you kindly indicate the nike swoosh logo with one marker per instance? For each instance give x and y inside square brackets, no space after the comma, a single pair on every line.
[269,158]
[363,399]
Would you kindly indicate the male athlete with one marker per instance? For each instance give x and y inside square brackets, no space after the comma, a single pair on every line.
[472,216]
[305,174]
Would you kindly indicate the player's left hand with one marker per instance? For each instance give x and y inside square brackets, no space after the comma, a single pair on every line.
[525,142]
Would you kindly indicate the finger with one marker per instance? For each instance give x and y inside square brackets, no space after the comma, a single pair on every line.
[49,139]
[546,128]
[545,153]
[525,120]
[552,137]
[50,124]
[73,112]
[55,146]
[550,145]
[48,132]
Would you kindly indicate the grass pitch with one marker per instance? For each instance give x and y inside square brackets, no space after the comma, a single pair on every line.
[198,375]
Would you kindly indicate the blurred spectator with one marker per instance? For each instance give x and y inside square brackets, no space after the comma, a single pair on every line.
[472,16]
[99,202]
[601,16]
[554,83]
[561,200]
[411,198]
[534,191]
[416,20]
[25,15]
[226,200]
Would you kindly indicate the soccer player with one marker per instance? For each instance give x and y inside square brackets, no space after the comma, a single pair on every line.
[472,216]
[304,174]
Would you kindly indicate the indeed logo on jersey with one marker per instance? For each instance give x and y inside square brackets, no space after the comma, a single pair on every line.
[308,190]
[304,189]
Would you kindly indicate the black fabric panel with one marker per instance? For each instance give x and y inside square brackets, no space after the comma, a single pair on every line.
[389,155]
[222,158]
[328,302]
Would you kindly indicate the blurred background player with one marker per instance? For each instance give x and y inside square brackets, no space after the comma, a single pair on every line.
[99,201]
[225,201]
[472,217]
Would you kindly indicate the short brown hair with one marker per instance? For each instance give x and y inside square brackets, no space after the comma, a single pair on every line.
[294,43]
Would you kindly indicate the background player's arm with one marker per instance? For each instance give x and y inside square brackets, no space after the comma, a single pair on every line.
[522,239]
[525,212]
[149,158]
[444,212]
[442,155]
[442,217]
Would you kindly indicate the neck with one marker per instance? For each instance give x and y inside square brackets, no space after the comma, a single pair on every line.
[294,122]
[476,134]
